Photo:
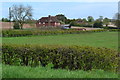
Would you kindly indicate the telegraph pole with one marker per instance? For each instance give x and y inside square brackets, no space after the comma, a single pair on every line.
[119,10]
[49,19]
[10,17]
[118,16]
[118,36]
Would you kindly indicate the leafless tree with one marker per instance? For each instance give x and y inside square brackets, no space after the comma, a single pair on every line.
[20,13]
[116,18]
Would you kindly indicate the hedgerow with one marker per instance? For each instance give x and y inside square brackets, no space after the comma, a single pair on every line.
[18,33]
[65,57]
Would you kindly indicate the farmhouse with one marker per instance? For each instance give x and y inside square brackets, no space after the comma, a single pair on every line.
[48,21]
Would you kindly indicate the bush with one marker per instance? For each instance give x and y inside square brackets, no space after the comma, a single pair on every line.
[16,25]
[98,24]
[111,27]
[65,57]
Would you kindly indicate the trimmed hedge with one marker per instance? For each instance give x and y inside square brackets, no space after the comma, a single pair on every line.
[65,57]
[18,33]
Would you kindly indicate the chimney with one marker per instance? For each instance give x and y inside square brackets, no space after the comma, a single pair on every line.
[49,16]
[49,20]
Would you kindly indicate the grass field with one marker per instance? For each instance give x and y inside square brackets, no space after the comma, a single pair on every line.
[47,72]
[99,39]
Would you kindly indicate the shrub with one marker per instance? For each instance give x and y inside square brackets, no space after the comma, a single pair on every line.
[16,25]
[65,57]
[98,24]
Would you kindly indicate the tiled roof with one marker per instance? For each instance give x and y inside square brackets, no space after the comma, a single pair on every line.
[49,19]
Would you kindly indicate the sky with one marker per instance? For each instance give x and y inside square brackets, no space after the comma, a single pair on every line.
[69,9]
[59,0]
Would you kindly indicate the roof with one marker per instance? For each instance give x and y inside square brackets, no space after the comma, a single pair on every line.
[49,19]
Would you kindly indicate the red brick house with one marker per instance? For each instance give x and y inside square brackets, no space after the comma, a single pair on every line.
[48,21]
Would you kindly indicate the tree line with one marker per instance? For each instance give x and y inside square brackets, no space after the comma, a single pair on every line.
[20,14]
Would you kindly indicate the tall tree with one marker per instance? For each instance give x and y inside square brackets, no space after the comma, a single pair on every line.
[20,13]
[61,18]
[100,18]
[106,21]
[90,19]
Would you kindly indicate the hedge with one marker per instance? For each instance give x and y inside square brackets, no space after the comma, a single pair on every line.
[64,57]
[18,33]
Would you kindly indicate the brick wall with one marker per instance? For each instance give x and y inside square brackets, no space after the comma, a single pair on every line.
[8,25]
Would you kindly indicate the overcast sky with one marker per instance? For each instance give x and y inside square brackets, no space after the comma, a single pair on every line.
[74,9]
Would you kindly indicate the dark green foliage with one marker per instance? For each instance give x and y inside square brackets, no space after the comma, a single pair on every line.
[106,21]
[61,17]
[16,25]
[5,20]
[90,19]
[64,57]
[98,24]
[17,33]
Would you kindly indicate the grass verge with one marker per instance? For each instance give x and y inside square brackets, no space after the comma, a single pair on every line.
[47,72]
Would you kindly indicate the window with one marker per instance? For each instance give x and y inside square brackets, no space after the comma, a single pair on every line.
[58,23]
[43,22]
[39,22]
[55,23]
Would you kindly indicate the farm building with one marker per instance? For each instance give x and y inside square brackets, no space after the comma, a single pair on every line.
[48,21]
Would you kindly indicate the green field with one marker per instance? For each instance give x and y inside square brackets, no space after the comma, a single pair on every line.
[47,72]
[98,39]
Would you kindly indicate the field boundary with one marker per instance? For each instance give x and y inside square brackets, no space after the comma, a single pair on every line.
[19,33]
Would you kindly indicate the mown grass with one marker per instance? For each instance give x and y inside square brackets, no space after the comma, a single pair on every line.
[99,39]
[47,72]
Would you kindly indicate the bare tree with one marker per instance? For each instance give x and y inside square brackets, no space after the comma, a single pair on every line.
[118,11]
[116,18]
[20,13]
